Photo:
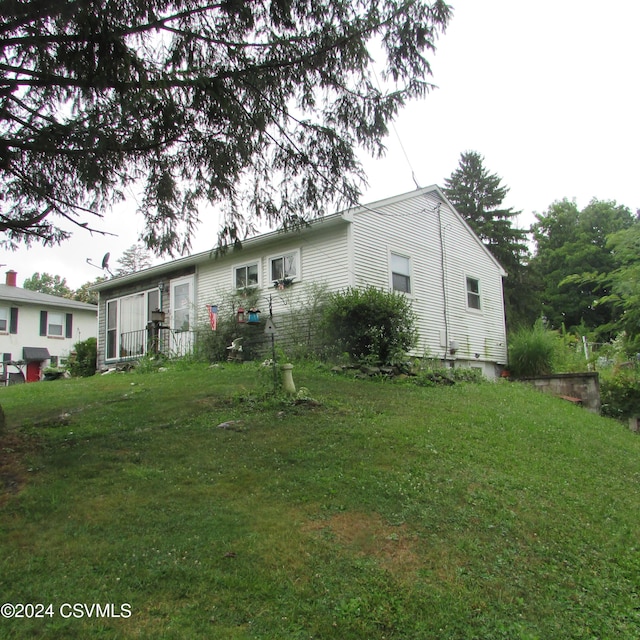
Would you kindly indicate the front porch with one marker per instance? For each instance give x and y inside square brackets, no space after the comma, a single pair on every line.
[151,341]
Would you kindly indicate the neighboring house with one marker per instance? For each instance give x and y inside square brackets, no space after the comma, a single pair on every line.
[38,330]
[415,243]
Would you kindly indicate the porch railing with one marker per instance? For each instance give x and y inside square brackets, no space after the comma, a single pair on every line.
[134,344]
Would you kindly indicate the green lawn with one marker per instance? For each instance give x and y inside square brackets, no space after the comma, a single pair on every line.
[383,511]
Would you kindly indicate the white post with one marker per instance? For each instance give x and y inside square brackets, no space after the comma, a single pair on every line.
[288,385]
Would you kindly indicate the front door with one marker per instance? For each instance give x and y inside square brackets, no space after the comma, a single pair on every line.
[182,315]
[33,371]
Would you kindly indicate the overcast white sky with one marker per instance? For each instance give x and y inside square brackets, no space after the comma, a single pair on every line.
[547,91]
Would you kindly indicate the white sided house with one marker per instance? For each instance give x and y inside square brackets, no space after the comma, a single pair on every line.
[415,243]
[38,330]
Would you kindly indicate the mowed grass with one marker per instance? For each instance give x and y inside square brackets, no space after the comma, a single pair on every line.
[384,511]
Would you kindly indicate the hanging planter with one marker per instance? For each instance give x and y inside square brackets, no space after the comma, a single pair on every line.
[254,316]
[282,283]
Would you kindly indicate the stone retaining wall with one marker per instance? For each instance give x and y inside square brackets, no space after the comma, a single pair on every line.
[583,386]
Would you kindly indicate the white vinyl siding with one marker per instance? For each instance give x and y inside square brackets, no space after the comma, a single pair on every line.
[443,252]
[323,258]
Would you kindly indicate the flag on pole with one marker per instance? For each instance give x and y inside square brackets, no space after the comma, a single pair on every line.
[213,316]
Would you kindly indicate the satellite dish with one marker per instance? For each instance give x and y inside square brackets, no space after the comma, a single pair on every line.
[105,263]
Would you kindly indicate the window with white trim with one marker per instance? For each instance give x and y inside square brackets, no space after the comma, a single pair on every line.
[473,293]
[246,275]
[285,267]
[400,273]
[181,303]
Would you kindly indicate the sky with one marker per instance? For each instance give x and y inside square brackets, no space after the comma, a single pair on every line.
[548,92]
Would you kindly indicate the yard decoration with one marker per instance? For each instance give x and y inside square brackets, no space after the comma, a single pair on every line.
[235,351]
[288,386]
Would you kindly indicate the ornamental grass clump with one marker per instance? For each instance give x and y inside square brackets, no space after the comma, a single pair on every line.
[532,351]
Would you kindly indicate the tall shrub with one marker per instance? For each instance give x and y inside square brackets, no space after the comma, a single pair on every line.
[620,391]
[370,323]
[84,362]
[531,351]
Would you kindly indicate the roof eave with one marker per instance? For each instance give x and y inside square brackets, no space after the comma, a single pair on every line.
[204,256]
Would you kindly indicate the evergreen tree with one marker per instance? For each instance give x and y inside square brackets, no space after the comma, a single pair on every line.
[257,107]
[133,259]
[478,196]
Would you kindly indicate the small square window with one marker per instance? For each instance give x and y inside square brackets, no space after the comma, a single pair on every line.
[246,276]
[473,293]
[400,273]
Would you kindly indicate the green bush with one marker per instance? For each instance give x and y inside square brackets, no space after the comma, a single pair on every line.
[212,346]
[83,364]
[369,324]
[620,392]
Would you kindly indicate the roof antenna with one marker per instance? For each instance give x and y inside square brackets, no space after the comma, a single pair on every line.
[105,263]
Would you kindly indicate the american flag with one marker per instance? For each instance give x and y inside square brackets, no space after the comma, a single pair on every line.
[213,316]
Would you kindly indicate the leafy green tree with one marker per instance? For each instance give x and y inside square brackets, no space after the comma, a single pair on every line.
[622,286]
[133,259]
[47,283]
[478,196]
[573,259]
[258,107]
[85,294]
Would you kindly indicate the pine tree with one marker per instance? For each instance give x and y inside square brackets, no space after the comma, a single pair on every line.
[257,108]
[478,196]
[133,259]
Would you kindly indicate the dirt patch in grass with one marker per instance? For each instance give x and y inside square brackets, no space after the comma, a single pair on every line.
[13,469]
[394,547]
